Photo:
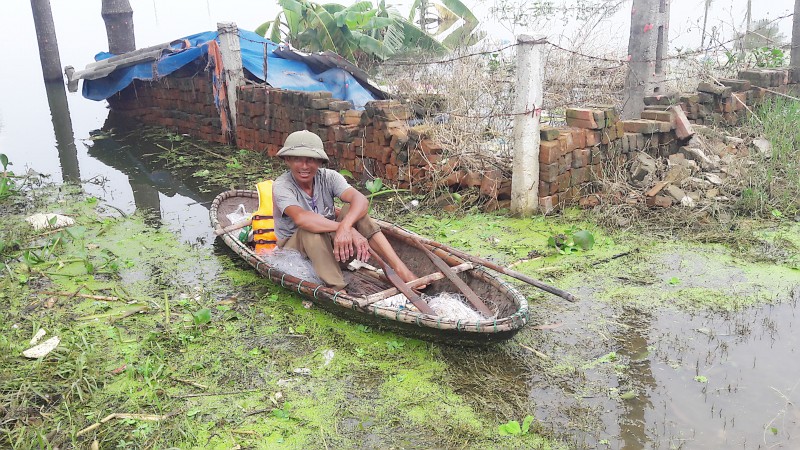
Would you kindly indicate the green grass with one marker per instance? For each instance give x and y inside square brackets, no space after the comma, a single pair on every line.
[772,186]
[231,381]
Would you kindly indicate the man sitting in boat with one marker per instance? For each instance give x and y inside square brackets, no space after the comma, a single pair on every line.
[305,218]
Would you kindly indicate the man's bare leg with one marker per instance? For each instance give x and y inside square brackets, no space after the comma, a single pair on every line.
[381,245]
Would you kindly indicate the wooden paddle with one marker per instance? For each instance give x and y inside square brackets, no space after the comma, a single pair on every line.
[401,285]
[410,237]
[458,282]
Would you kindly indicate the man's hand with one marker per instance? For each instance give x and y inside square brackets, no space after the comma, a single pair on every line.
[348,243]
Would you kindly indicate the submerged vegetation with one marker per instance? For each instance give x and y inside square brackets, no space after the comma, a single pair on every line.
[156,351]
[163,344]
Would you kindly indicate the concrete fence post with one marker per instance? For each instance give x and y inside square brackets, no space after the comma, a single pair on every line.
[647,47]
[525,172]
[46,37]
[118,16]
[795,52]
[232,63]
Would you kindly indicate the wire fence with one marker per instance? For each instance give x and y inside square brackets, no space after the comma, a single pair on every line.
[475,90]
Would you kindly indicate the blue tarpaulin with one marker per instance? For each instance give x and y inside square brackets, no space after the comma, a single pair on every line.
[281,73]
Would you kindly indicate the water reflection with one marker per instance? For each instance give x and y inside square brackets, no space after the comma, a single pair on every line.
[62,126]
[637,381]
[164,197]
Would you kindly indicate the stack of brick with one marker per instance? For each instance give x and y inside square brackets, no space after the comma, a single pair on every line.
[658,133]
[183,103]
[571,159]
[726,102]
[374,142]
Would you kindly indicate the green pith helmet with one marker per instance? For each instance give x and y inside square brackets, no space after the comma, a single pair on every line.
[303,143]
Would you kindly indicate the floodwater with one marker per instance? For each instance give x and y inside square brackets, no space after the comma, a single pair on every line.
[708,380]
[701,381]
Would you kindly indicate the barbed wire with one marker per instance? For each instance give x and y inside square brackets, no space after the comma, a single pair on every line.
[619,61]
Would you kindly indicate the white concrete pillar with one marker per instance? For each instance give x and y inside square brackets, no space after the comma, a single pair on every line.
[525,172]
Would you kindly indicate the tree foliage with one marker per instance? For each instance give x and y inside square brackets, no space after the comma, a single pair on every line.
[363,32]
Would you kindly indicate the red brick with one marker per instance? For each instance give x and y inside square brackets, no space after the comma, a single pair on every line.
[590,115]
[580,123]
[568,145]
[581,157]
[644,126]
[578,137]
[563,181]
[490,183]
[546,188]
[660,201]
[661,116]
[589,201]
[565,163]
[328,118]
[548,172]
[548,204]
[578,176]
[378,153]
[683,128]
[391,172]
[593,138]
[354,117]
[596,172]
[430,147]
[472,179]
[549,151]
[453,178]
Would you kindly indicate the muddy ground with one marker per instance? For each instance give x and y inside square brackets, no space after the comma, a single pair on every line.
[675,342]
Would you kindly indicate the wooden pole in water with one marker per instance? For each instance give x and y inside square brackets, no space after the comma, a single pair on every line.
[231,51]
[525,172]
[118,16]
[46,37]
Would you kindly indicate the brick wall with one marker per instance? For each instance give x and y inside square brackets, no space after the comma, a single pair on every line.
[377,142]
[182,103]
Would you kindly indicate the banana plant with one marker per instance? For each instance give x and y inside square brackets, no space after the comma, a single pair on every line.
[360,32]
[445,14]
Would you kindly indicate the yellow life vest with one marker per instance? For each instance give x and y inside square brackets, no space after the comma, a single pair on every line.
[263,222]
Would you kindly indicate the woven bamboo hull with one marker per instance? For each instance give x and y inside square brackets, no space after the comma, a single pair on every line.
[509,306]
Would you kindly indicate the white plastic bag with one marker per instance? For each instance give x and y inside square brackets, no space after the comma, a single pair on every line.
[240,215]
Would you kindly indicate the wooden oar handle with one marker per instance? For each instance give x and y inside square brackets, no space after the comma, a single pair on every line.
[234,227]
